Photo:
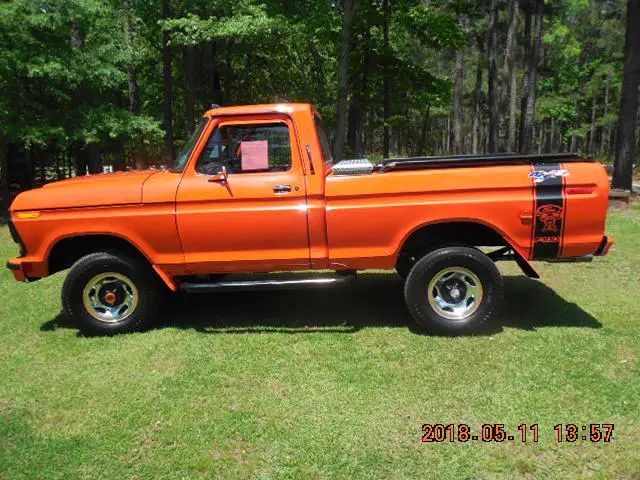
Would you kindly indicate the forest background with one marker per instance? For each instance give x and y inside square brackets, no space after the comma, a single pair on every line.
[89,85]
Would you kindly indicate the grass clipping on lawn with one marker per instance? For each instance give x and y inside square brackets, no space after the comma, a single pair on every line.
[330,384]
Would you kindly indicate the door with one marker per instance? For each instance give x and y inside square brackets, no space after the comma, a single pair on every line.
[241,205]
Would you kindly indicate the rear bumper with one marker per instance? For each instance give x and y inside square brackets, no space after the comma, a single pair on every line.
[602,250]
[604,247]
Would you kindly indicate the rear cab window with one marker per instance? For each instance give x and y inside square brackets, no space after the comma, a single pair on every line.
[324,142]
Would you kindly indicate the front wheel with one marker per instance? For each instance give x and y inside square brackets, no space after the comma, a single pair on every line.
[107,294]
[453,290]
[404,265]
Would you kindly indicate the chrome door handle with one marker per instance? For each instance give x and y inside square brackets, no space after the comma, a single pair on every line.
[281,188]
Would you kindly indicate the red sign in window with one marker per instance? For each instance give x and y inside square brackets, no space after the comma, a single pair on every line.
[255,155]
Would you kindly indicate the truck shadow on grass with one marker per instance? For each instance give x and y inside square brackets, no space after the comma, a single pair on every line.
[375,300]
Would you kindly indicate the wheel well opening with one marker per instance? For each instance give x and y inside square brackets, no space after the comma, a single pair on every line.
[454,233]
[69,250]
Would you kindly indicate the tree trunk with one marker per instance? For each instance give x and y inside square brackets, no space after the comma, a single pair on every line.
[248,66]
[94,161]
[494,100]
[229,77]
[527,8]
[611,140]
[353,122]
[386,107]
[458,146]
[509,80]
[359,140]
[529,112]
[350,7]
[43,167]
[365,130]
[189,89]
[592,130]
[357,110]
[476,133]
[458,94]
[168,85]
[604,134]
[447,141]
[120,163]
[354,114]
[5,185]
[26,182]
[422,140]
[627,119]
[214,80]
[134,90]
[77,152]
[359,144]
[321,79]
[540,138]
[578,121]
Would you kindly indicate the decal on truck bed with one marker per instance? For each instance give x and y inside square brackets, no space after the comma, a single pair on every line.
[550,208]
[541,175]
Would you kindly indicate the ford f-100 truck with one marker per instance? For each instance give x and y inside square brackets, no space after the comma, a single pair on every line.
[255,190]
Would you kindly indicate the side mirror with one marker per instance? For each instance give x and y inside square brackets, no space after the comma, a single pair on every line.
[221,177]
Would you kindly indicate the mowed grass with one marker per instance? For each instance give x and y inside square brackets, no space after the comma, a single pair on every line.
[331,384]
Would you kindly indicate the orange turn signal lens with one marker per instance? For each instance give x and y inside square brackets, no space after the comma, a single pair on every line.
[23,215]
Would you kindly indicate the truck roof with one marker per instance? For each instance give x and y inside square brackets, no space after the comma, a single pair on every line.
[260,109]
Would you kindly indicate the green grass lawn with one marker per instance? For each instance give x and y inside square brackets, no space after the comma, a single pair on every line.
[331,384]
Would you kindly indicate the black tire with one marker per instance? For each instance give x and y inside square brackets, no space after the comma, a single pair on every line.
[406,261]
[404,265]
[136,276]
[463,259]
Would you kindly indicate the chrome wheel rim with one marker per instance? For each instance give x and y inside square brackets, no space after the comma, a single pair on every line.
[110,297]
[455,293]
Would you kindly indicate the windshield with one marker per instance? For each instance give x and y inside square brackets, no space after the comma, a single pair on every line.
[187,148]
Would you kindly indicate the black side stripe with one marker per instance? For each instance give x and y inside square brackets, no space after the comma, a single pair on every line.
[564,213]
[549,213]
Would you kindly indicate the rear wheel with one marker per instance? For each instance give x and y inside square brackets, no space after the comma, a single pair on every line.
[406,261]
[105,294]
[453,290]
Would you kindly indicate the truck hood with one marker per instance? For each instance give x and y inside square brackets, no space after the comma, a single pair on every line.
[119,188]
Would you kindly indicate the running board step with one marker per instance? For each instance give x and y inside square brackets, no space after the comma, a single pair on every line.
[290,283]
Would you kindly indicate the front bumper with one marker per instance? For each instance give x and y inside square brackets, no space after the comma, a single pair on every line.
[25,270]
[16,269]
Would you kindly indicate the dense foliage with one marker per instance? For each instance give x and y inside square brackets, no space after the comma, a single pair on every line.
[88,83]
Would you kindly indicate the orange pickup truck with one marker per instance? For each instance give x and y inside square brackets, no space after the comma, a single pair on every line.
[256,190]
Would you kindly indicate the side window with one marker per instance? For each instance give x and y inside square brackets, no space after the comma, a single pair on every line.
[246,149]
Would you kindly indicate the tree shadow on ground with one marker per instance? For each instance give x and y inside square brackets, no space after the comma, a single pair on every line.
[374,300]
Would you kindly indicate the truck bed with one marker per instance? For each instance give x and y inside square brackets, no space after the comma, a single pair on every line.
[461,161]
